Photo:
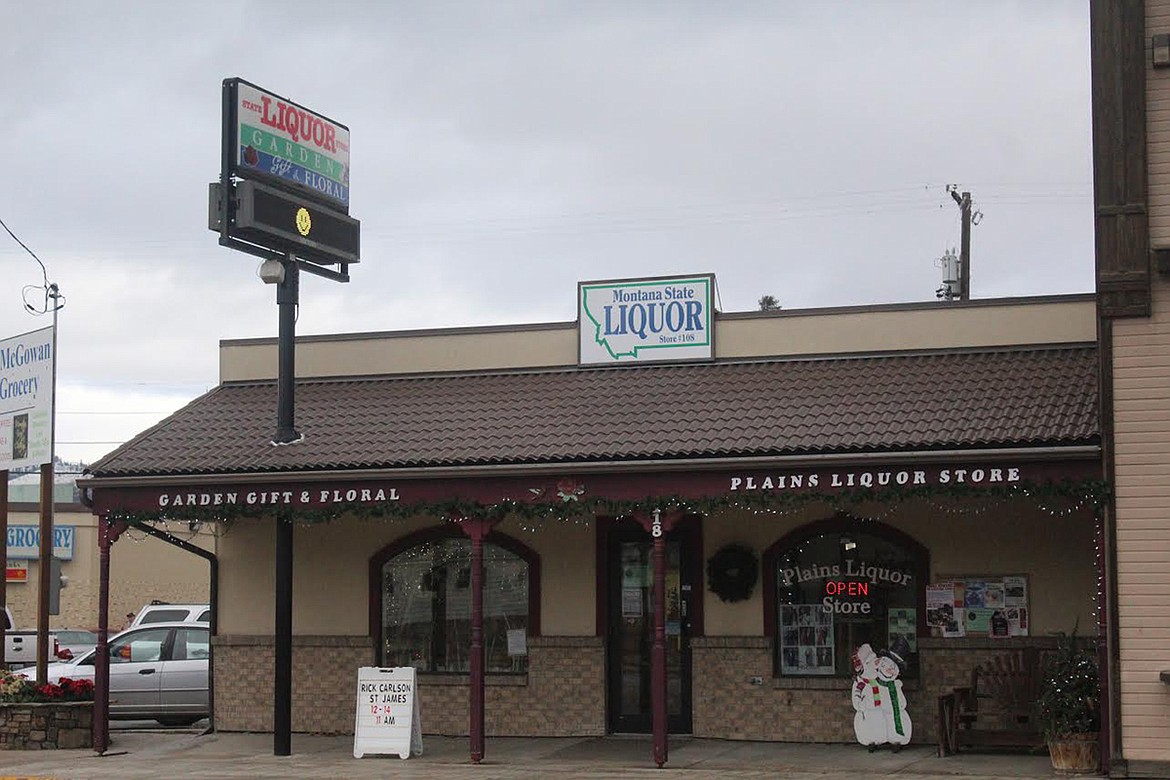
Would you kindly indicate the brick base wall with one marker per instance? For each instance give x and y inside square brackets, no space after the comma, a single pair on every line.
[728,704]
[324,682]
[563,693]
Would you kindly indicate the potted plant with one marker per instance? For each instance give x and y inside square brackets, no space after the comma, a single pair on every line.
[1069,706]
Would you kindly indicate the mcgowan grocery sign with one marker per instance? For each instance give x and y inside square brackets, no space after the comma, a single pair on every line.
[646,320]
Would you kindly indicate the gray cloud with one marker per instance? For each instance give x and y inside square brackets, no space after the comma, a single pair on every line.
[502,152]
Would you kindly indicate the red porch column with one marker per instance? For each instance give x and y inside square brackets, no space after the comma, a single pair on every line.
[108,533]
[658,524]
[476,529]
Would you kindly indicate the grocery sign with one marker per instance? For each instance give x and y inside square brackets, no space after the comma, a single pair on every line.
[26,399]
[24,542]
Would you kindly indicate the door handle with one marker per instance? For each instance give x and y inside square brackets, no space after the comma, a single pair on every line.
[146,671]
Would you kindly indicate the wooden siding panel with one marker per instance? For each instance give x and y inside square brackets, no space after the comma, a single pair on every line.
[1120,159]
[1141,418]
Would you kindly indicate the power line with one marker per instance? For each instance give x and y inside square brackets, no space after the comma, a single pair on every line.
[44,273]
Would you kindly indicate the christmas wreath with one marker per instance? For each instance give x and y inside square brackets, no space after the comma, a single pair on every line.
[732,572]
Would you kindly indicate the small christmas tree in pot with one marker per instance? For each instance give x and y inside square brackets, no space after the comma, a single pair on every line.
[1069,706]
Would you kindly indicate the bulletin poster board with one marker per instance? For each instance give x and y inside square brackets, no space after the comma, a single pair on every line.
[990,606]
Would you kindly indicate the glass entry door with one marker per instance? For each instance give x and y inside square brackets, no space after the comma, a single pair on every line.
[631,632]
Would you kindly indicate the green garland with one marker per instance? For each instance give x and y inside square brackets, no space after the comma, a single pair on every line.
[1074,494]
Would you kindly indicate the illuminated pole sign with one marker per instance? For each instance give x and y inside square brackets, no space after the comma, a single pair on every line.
[285,172]
[277,140]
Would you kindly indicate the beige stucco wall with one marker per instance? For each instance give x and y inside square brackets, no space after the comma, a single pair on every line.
[331,573]
[1141,388]
[142,568]
[801,332]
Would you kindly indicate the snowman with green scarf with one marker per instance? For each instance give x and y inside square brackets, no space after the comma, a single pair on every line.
[891,701]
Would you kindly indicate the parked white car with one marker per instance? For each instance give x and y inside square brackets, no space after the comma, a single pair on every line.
[156,612]
[157,671]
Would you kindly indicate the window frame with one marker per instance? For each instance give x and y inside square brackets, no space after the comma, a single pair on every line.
[439,534]
[841,523]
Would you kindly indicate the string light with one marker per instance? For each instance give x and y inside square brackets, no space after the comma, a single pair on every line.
[1058,500]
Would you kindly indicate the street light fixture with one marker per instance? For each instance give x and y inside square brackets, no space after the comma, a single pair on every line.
[272,271]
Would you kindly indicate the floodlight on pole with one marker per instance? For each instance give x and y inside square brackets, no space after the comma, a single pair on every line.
[271,271]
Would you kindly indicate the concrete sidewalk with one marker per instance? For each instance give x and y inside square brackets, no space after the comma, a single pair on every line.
[182,755]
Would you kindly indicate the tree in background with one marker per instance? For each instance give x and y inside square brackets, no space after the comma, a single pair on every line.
[768,303]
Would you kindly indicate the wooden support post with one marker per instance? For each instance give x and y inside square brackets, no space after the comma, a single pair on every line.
[658,523]
[477,529]
[108,533]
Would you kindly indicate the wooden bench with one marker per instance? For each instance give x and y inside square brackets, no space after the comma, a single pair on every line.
[996,709]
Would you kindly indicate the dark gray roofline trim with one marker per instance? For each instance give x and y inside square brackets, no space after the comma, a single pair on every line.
[1077,452]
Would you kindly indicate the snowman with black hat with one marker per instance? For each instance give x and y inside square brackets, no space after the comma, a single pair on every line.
[890,700]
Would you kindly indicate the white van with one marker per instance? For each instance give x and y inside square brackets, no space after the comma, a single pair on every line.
[157,612]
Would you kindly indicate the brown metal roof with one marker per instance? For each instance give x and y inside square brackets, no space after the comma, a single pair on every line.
[876,403]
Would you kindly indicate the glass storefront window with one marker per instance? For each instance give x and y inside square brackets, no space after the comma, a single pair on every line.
[838,590]
[426,608]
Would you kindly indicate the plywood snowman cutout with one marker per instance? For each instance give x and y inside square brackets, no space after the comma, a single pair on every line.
[893,702]
[880,707]
[868,723]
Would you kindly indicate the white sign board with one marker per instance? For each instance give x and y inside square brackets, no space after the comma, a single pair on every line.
[387,720]
[646,320]
[26,399]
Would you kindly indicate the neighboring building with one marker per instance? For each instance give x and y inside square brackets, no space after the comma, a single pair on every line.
[1131,142]
[859,456]
[144,569]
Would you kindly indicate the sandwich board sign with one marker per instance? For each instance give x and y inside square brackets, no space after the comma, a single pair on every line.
[387,720]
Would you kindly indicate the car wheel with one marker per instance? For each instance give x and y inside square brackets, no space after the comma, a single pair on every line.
[178,720]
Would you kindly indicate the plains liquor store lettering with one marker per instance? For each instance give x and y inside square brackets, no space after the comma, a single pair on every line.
[868,479]
[281,497]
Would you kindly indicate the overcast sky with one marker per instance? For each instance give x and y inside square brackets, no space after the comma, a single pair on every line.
[502,152]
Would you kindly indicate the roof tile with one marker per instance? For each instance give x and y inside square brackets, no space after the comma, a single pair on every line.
[892,402]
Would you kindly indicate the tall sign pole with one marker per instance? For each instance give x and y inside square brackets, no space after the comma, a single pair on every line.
[283,195]
[45,567]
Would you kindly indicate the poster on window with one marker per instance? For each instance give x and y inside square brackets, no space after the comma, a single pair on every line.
[1017,619]
[979,620]
[517,642]
[992,606]
[975,594]
[806,639]
[632,602]
[940,604]
[902,631]
[957,625]
[1015,591]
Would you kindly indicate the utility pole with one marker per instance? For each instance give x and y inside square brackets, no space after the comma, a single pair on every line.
[964,202]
